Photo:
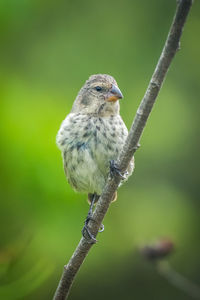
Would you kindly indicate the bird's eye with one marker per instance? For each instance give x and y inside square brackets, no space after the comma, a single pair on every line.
[98,88]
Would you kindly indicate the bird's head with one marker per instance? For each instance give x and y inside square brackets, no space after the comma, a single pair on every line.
[98,96]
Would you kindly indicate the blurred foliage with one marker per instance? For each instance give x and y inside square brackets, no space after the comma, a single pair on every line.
[48,49]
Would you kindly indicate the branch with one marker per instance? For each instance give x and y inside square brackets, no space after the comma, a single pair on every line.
[170,48]
[178,280]
[155,253]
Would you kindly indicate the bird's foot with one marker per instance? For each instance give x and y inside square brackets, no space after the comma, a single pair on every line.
[114,170]
[86,232]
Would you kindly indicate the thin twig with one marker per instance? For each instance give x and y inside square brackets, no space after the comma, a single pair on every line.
[178,280]
[169,50]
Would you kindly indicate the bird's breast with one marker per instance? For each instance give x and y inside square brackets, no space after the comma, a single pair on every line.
[88,144]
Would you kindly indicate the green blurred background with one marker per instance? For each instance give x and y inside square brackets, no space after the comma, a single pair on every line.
[48,50]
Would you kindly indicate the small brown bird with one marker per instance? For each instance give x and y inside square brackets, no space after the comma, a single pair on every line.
[92,136]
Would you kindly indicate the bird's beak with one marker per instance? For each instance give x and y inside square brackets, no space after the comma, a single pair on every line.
[114,94]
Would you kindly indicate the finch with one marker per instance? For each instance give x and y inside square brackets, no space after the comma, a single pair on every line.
[92,135]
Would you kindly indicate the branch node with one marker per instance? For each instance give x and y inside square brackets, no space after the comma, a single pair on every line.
[140,112]
[135,148]
[179,47]
[155,85]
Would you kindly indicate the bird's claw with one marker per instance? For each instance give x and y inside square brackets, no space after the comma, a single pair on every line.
[86,232]
[114,169]
[101,229]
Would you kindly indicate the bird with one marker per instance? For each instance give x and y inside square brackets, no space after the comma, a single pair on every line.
[91,138]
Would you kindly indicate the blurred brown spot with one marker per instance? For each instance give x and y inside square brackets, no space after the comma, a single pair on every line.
[159,250]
